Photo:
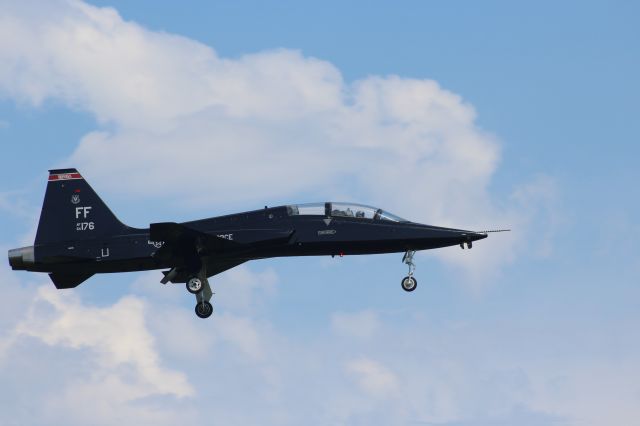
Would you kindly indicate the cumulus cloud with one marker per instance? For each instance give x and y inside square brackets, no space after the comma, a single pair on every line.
[178,121]
[91,365]
[191,126]
[116,334]
[65,360]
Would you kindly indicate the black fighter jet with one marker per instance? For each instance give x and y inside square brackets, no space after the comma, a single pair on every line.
[78,236]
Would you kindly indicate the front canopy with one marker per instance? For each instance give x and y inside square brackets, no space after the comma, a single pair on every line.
[330,209]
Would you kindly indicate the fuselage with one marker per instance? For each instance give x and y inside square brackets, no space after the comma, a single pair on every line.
[314,233]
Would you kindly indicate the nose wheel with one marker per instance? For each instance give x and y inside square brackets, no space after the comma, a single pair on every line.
[409,283]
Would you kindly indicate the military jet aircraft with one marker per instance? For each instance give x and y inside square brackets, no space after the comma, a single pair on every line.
[78,236]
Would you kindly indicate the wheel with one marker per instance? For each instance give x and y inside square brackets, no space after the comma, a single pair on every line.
[409,283]
[204,309]
[194,285]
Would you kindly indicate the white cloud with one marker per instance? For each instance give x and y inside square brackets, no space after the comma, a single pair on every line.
[109,399]
[116,334]
[74,363]
[112,349]
[206,131]
[83,364]
[186,124]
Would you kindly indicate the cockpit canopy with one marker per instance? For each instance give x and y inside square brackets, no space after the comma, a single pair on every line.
[357,211]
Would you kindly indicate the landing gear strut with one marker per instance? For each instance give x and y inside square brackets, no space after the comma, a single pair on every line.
[203,306]
[198,285]
[469,245]
[409,283]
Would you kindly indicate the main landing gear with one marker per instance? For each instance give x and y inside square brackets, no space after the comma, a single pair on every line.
[194,285]
[409,283]
[204,309]
[199,286]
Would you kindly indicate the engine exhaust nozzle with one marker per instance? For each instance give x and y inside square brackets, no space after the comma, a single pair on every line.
[21,258]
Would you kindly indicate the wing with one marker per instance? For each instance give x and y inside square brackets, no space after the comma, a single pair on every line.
[185,247]
[181,239]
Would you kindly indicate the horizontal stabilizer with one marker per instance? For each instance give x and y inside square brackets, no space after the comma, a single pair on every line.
[62,280]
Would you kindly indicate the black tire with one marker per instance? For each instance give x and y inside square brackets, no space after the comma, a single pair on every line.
[204,309]
[194,285]
[409,283]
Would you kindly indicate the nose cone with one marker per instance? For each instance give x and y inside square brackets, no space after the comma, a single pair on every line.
[422,237]
[468,237]
[475,236]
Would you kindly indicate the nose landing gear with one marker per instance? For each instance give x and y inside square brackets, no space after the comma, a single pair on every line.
[469,243]
[409,283]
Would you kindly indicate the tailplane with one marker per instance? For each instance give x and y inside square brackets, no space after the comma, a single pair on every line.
[61,280]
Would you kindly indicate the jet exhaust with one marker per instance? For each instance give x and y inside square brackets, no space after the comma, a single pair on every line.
[21,258]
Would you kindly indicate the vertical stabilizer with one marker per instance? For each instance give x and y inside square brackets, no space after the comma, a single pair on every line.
[72,211]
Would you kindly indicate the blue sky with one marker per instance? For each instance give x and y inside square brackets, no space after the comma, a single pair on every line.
[484,114]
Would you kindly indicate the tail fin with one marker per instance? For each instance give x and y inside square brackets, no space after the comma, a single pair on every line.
[72,211]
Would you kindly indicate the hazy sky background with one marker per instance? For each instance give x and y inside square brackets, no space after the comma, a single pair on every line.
[475,115]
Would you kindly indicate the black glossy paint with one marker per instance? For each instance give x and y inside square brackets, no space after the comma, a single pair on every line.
[79,236]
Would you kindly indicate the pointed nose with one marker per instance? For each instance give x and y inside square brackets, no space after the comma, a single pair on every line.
[475,236]
[469,237]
